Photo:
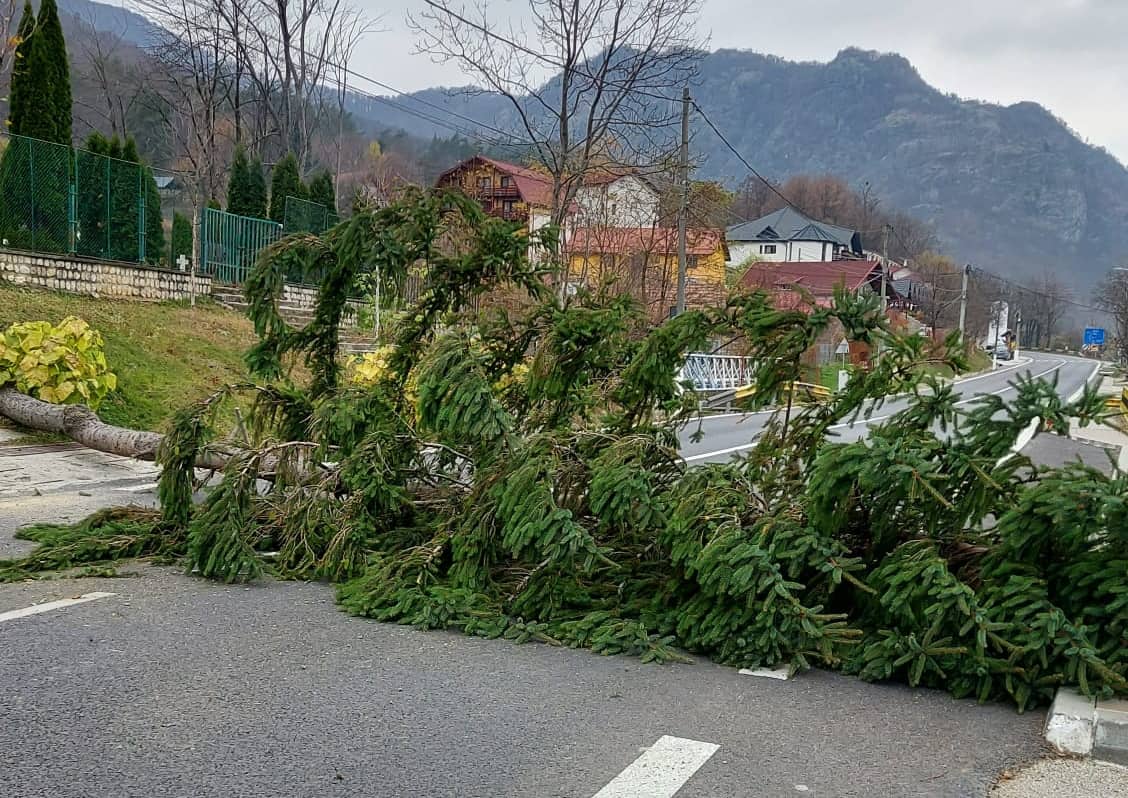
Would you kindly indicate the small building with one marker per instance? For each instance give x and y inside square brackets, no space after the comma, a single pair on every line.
[808,284]
[787,235]
[644,262]
[819,279]
[607,198]
[504,189]
[616,198]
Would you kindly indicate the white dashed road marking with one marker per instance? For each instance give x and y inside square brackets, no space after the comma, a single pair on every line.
[661,771]
[35,609]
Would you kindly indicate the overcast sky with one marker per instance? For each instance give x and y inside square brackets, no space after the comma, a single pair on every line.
[1069,55]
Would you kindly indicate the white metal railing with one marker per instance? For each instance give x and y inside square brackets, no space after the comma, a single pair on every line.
[717,372]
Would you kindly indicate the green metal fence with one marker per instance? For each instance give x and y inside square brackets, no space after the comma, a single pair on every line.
[60,200]
[303,216]
[229,244]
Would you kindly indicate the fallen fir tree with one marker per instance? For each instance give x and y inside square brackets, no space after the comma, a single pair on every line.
[515,474]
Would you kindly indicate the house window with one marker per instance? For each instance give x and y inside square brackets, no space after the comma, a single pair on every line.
[767,249]
[507,208]
[485,183]
[691,261]
[506,181]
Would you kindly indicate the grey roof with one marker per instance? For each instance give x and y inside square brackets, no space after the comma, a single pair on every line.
[787,224]
[164,181]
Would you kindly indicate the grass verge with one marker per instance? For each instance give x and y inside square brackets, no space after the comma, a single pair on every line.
[165,354]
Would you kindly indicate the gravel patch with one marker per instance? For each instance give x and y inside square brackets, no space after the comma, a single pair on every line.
[1056,777]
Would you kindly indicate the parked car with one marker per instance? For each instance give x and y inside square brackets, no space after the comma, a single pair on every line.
[1004,353]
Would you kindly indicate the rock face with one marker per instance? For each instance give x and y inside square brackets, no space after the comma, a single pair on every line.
[1011,188]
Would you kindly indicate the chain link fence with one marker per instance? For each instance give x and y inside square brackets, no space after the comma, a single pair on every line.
[304,216]
[62,200]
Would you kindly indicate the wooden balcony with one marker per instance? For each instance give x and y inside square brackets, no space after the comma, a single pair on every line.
[497,192]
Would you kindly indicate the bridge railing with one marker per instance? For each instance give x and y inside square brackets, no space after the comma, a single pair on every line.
[718,372]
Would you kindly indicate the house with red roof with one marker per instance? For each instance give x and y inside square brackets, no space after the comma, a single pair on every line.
[506,190]
[807,284]
[617,197]
[819,279]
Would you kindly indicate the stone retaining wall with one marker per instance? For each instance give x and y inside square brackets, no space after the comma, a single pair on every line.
[110,279]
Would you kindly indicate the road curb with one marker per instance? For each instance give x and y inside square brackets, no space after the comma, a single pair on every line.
[1081,726]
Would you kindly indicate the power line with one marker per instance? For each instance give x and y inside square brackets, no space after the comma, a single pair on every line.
[744,160]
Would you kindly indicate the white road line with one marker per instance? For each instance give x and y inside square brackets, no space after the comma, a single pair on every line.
[661,771]
[35,609]
[864,421]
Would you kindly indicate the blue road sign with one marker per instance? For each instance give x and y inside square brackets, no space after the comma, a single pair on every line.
[1094,336]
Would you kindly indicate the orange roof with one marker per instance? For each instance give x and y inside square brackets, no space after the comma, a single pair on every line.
[631,240]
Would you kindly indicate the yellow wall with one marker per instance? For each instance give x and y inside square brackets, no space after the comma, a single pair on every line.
[710,269]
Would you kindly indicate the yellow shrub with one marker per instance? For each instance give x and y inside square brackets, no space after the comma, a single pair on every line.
[369,368]
[63,364]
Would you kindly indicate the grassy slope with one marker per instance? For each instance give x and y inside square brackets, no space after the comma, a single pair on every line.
[165,355]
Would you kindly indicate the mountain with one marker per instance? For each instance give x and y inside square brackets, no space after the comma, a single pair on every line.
[1009,188]
[118,20]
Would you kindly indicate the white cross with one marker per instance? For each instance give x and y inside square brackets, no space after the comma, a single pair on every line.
[182,262]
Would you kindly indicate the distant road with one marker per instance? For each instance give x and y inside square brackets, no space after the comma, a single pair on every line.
[730,434]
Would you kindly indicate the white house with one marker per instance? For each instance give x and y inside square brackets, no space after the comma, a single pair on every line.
[609,199]
[788,236]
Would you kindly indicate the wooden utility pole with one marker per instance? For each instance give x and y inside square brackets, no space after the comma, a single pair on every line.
[884,267]
[683,206]
[963,300]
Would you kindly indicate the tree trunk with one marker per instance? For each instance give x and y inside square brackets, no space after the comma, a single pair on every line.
[82,425]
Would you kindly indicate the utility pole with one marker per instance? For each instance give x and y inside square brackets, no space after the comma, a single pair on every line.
[683,206]
[884,267]
[963,299]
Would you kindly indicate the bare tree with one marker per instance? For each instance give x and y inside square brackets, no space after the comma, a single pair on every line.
[1051,303]
[10,11]
[120,85]
[936,290]
[1111,295]
[583,75]
[346,35]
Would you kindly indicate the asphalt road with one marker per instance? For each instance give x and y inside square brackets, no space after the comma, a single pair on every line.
[174,686]
[178,687]
[730,434]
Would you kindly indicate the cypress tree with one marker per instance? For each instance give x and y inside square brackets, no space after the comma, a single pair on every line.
[256,190]
[19,96]
[181,240]
[238,184]
[48,80]
[322,192]
[285,181]
[94,179]
[124,232]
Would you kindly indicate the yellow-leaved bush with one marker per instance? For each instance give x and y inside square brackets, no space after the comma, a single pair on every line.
[64,363]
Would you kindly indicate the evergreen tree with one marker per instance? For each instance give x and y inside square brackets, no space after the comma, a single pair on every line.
[93,182]
[256,190]
[48,89]
[20,97]
[322,192]
[285,181]
[181,240]
[238,184]
[125,192]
